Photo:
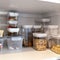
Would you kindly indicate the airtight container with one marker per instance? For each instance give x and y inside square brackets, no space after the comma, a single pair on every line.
[56,44]
[14,42]
[40,41]
[27,33]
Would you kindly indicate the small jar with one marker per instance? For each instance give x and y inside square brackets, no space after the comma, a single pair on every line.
[56,44]
[39,41]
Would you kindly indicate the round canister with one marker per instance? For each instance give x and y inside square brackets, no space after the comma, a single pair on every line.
[39,41]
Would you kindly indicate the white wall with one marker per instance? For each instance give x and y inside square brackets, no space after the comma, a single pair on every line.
[28,19]
[54,17]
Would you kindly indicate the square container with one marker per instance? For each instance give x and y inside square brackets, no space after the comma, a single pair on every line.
[55,46]
[15,42]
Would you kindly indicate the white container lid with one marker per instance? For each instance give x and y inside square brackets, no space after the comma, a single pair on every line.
[45,20]
[12,22]
[40,35]
[16,38]
[53,26]
[13,14]
[13,30]
[27,26]
[37,26]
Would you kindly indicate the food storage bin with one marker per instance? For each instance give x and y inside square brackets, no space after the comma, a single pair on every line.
[56,44]
[14,43]
[39,41]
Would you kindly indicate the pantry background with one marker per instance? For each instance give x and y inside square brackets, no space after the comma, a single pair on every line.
[31,19]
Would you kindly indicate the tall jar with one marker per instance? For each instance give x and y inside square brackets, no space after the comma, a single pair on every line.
[27,33]
[40,41]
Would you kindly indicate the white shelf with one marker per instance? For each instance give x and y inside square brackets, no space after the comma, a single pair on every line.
[29,54]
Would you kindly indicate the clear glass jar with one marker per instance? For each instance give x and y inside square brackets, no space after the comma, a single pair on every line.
[56,44]
[39,41]
[27,33]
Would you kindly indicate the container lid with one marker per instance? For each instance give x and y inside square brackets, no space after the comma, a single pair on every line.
[40,35]
[45,20]
[37,26]
[52,26]
[27,26]
[56,36]
[16,38]
[12,22]
[13,30]
[13,14]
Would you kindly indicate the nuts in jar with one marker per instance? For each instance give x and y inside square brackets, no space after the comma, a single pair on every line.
[40,44]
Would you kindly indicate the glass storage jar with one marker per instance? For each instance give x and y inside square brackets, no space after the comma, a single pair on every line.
[56,44]
[39,41]
[28,37]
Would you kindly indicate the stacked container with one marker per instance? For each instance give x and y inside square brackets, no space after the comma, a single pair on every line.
[12,23]
[54,38]
[52,31]
[14,41]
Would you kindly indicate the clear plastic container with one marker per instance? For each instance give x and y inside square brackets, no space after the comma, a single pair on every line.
[39,41]
[14,43]
[1,43]
[27,33]
[56,44]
